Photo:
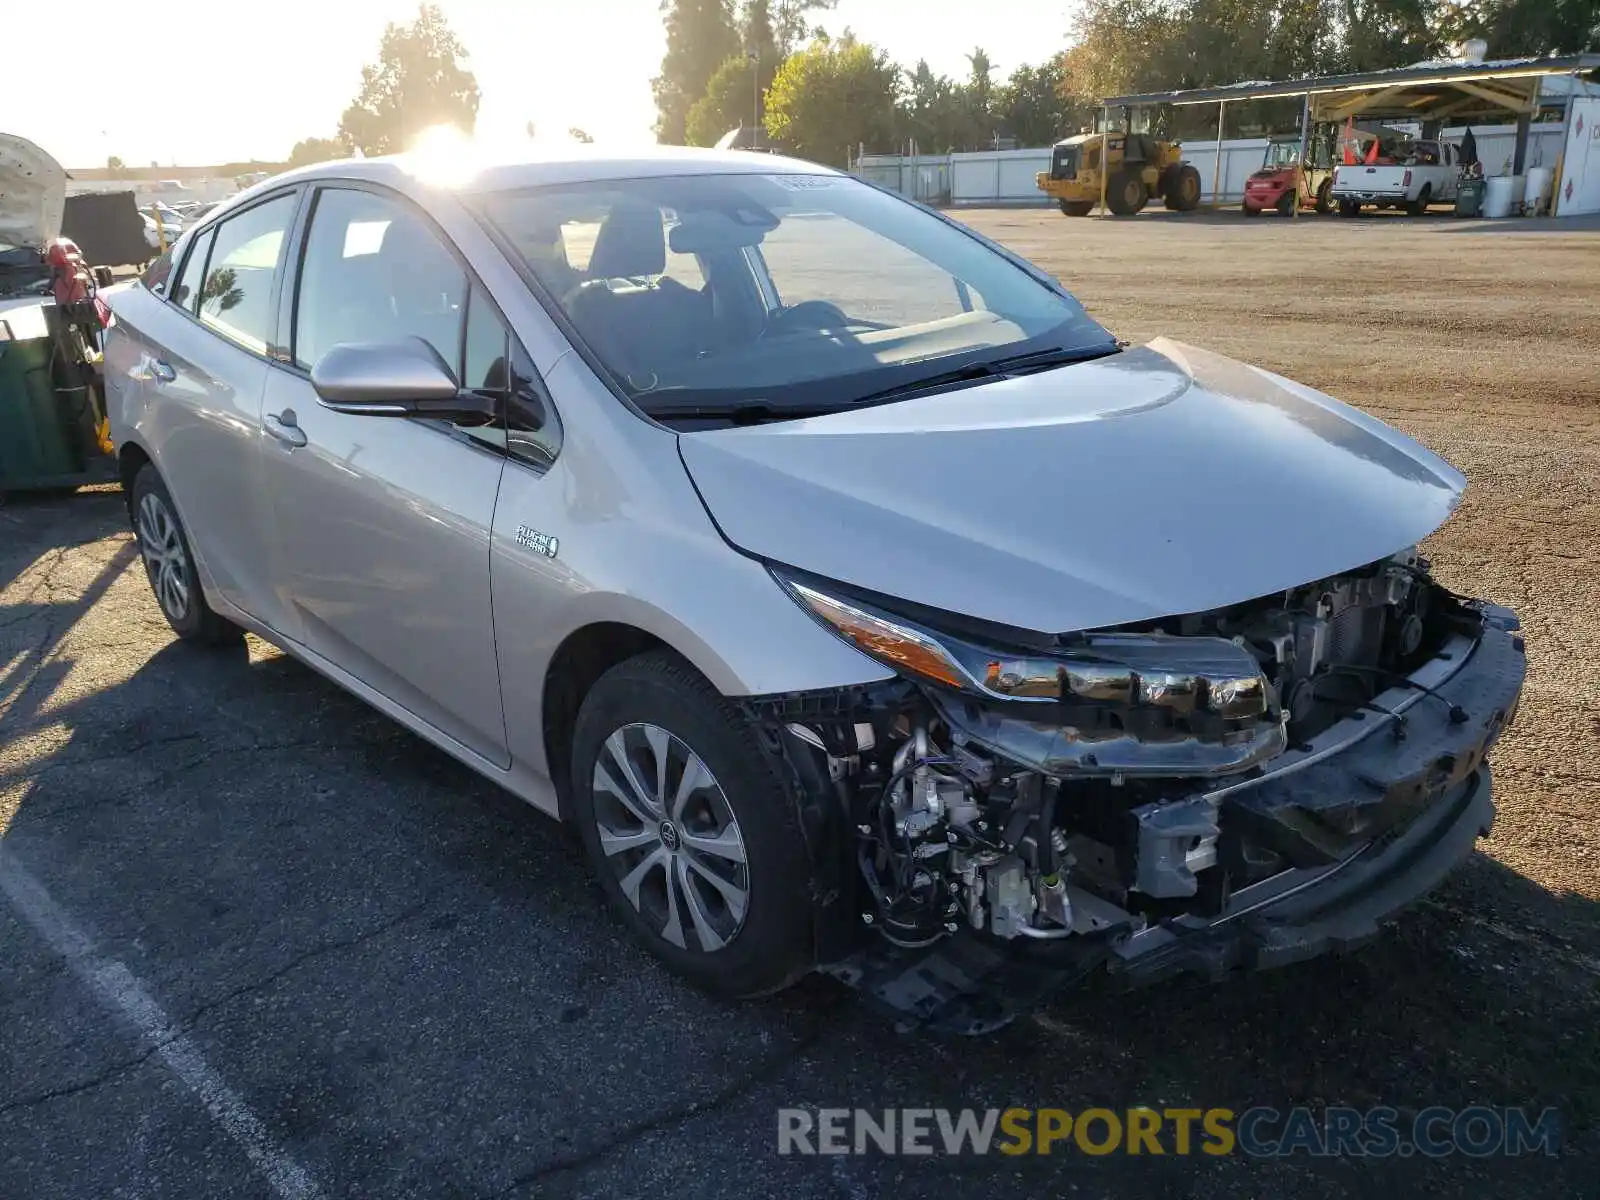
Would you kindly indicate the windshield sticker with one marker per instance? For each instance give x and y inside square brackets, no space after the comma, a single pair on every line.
[803,183]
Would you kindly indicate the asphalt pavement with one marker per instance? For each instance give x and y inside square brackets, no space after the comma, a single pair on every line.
[259,941]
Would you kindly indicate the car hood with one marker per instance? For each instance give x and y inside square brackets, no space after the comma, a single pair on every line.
[33,193]
[1160,481]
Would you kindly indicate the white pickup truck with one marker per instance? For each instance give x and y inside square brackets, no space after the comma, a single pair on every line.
[1423,173]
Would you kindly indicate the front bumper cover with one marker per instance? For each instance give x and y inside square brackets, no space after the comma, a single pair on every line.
[1414,787]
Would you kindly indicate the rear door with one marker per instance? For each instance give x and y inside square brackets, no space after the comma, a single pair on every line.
[383,523]
[203,373]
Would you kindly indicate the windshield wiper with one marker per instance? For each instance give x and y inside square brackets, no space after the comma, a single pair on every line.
[994,368]
[751,412]
[756,412]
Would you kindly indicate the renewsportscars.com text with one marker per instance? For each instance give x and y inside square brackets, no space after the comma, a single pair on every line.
[1262,1131]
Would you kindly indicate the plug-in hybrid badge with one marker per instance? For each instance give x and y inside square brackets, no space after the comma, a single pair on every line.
[530,538]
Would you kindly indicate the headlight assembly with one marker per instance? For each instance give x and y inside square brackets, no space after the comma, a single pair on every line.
[1184,676]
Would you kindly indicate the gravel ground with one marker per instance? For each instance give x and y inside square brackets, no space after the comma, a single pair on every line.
[259,941]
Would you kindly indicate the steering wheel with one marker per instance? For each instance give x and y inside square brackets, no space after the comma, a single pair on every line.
[808,314]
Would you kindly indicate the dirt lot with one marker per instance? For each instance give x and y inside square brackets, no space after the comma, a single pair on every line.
[310,955]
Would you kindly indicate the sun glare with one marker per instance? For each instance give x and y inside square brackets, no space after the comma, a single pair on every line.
[444,156]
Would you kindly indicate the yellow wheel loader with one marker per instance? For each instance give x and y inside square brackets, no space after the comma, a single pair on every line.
[1140,167]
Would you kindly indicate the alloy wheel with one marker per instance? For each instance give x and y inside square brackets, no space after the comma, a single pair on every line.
[668,833]
[164,557]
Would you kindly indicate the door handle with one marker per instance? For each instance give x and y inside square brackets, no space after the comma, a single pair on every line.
[283,427]
[164,371]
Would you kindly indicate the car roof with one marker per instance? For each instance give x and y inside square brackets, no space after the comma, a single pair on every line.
[473,172]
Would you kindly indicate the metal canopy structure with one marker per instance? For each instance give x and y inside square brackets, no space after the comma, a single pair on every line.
[1428,91]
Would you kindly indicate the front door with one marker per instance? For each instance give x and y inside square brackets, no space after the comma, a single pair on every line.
[383,523]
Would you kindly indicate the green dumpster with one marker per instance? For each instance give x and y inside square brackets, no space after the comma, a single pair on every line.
[1469,198]
[42,443]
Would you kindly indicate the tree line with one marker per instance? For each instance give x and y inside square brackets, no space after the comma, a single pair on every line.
[728,62]
[767,63]
[731,64]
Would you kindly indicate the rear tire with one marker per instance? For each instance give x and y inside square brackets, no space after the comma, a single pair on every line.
[1285,204]
[1325,197]
[1126,193]
[1183,190]
[1248,211]
[713,881]
[169,564]
[1349,208]
[1419,206]
[1077,208]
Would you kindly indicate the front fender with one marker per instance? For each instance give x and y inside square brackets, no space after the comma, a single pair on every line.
[615,533]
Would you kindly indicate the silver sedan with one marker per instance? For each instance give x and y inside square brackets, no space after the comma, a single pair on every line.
[864,602]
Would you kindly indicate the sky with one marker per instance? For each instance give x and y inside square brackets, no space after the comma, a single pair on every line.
[234,80]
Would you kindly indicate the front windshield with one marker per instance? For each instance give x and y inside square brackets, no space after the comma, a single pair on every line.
[782,290]
[1283,154]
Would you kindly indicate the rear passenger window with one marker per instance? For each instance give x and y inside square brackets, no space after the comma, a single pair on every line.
[375,272]
[186,291]
[236,297]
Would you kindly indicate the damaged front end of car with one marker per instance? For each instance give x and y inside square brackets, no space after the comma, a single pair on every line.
[1244,787]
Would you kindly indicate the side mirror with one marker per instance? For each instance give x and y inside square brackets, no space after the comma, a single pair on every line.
[404,378]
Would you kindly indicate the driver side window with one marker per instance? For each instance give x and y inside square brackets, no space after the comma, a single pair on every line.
[374,272]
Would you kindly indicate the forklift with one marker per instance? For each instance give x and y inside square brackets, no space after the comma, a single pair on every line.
[1283,176]
[53,428]
[1274,185]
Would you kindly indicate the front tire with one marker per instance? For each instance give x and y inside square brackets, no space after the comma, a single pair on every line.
[1325,197]
[689,830]
[169,564]
[1126,194]
[1183,190]
[1077,208]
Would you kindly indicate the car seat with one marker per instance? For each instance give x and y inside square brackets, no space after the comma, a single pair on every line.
[640,317]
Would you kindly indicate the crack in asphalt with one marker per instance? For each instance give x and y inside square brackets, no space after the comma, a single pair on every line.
[61,760]
[123,1066]
[49,641]
[165,775]
[769,1071]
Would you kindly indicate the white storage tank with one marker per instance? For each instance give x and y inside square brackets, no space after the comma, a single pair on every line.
[1500,193]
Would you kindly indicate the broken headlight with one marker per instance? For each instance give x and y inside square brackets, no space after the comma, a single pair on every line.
[1098,703]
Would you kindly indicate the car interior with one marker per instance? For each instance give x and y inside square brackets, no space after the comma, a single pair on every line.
[629,303]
